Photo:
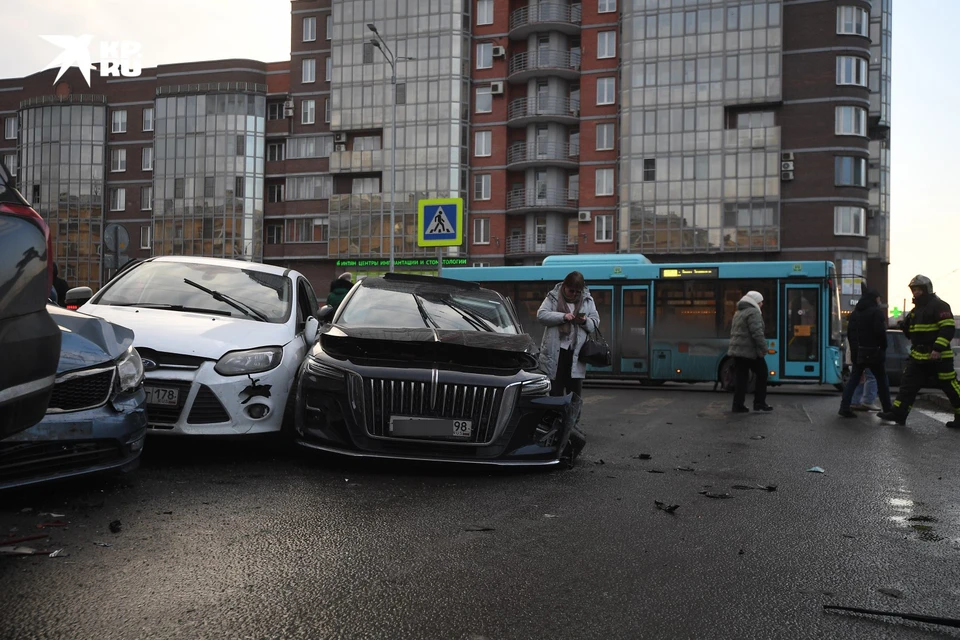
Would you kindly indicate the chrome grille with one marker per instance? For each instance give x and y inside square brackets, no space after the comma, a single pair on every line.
[81,390]
[383,399]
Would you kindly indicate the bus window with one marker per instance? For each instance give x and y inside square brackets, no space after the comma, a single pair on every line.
[529,297]
[685,310]
[633,343]
[731,291]
[802,336]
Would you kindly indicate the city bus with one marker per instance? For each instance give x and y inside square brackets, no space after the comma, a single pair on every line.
[671,322]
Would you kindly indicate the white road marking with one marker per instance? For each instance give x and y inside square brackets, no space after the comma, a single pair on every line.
[942,416]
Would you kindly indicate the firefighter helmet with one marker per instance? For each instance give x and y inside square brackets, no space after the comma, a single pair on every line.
[922,282]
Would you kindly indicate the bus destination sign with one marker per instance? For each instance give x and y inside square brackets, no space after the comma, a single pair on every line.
[691,272]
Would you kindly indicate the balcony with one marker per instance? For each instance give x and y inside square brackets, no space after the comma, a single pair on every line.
[356,161]
[552,62]
[540,245]
[521,155]
[546,16]
[520,200]
[524,111]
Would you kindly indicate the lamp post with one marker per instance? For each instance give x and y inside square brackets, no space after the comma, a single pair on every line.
[391,59]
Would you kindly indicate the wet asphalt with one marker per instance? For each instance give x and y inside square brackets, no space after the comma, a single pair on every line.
[246,539]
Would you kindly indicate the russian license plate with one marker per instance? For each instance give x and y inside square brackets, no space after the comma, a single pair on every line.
[430,427]
[164,396]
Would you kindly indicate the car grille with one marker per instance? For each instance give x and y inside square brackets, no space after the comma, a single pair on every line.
[207,408]
[81,390]
[385,398]
[26,460]
[159,415]
[165,360]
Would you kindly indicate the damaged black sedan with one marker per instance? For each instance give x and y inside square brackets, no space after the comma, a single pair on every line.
[424,368]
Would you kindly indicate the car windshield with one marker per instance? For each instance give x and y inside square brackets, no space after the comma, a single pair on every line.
[162,285]
[416,309]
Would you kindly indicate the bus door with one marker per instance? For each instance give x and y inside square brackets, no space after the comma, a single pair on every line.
[603,298]
[800,348]
[632,338]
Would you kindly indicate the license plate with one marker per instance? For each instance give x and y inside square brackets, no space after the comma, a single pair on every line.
[430,427]
[164,396]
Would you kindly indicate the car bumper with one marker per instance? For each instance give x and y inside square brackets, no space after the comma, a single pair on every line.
[67,445]
[209,404]
[535,433]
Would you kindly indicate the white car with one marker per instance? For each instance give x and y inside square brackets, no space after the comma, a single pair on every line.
[221,340]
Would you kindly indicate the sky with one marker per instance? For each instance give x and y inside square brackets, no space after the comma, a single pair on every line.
[925,227]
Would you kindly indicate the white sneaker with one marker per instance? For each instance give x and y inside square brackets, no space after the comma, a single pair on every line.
[873,406]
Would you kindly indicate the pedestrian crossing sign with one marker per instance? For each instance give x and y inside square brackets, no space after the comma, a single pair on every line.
[440,222]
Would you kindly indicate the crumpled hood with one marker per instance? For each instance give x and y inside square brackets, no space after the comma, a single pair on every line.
[87,340]
[194,334]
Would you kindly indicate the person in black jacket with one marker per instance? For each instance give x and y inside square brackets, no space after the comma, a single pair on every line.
[930,327]
[867,334]
[60,285]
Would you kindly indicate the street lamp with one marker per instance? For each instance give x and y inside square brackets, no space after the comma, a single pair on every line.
[392,59]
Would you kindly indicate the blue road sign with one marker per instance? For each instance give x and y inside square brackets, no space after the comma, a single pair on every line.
[440,222]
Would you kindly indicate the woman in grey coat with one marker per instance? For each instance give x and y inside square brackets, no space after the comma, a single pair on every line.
[748,346]
[570,316]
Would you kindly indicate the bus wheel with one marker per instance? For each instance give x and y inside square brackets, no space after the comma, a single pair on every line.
[727,377]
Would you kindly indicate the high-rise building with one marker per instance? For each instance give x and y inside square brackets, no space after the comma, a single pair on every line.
[687,130]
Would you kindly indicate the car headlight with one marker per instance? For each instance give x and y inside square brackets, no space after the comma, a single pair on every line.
[316,367]
[237,363]
[130,369]
[538,387]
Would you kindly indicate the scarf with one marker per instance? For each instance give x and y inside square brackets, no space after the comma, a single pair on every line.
[562,303]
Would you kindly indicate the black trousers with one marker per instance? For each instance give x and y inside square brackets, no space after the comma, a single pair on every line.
[915,375]
[883,385]
[744,367]
[564,383]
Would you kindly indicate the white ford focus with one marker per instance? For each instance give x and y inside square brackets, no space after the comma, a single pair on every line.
[221,340]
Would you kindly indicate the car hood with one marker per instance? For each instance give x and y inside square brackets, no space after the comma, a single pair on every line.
[87,340]
[195,334]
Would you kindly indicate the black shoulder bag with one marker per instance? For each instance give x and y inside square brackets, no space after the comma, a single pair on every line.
[596,352]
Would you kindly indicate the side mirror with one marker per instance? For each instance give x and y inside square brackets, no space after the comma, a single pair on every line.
[77,297]
[310,330]
[325,314]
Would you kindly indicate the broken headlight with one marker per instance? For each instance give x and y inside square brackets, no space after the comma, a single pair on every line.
[130,369]
[537,387]
[237,363]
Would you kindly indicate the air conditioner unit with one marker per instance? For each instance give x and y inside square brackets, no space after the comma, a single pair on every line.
[583,216]
[786,156]
[288,109]
[340,137]
[340,146]
[496,88]
[786,176]
[786,166]
[499,52]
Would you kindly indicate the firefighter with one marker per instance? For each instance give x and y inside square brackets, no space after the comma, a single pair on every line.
[930,328]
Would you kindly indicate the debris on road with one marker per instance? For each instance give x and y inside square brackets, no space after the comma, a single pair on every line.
[600,461]
[685,469]
[116,526]
[59,553]
[719,496]
[17,541]
[478,528]
[53,515]
[669,508]
[740,553]
[102,544]
[816,470]
[893,593]
[55,523]
[758,437]
[654,471]
[761,487]
[19,551]
[642,456]
[914,617]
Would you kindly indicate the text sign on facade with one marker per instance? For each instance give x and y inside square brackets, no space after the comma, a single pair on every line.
[694,272]
[440,222]
[374,263]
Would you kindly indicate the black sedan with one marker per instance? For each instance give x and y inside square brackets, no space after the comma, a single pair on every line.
[423,368]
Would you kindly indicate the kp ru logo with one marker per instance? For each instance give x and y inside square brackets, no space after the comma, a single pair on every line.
[118,58]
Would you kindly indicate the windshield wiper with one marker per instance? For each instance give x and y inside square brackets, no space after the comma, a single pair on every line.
[236,304]
[472,317]
[170,307]
[427,320]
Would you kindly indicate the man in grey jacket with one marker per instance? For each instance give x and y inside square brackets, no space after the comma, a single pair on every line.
[748,346]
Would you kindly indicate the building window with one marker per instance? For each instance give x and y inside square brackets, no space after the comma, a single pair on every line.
[10,128]
[308,110]
[479,264]
[148,118]
[484,100]
[401,96]
[209,187]
[849,221]
[573,186]
[603,228]
[317,187]
[481,145]
[361,186]
[606,6]
[484,12]
[366,143]
[853,21]
[649,169]
[604,182]
[118,160]
[274,193]
[179,187]
[851,70]
[239,189]
[481,231]
[605,136]
[606,90]
[851,172]
[307,230]
[118,199]
[146,198]
[275,111]
[145,233]
[119,121]
[485,55]
[275,152]
[310,29]
[607,44]
[274,234]
[851,121]
[481,186]
[10,160]
[755,120]
[329,27]
[329,68]
[146,159]
[309,66]
[326,110]
[309,147]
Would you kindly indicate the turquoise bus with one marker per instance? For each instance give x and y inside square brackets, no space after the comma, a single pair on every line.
[671,322]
